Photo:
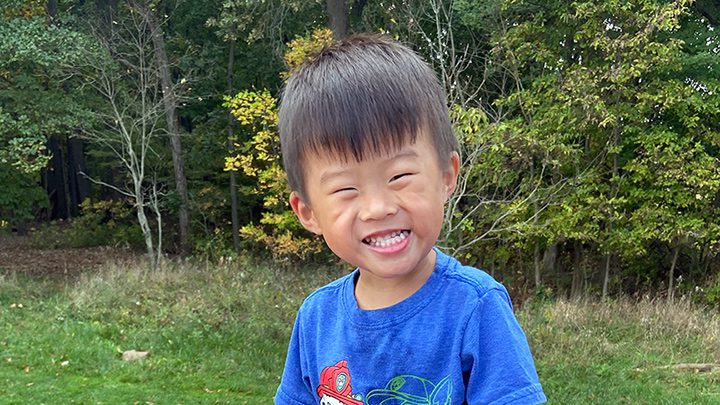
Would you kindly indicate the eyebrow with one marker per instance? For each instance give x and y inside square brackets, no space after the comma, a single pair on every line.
[328,175]
[405,153]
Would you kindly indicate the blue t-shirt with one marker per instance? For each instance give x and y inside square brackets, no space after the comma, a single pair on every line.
[454,341]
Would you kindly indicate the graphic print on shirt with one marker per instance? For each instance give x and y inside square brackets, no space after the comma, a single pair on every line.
[335,389]
[335,386]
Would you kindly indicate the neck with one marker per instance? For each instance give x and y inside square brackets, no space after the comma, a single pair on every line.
[375,292]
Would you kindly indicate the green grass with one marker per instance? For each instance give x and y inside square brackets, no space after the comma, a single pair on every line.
[218,334]
[623,352]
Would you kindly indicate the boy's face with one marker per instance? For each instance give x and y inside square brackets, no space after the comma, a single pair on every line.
[383,214]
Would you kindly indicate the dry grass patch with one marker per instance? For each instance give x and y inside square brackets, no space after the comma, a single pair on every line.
[625,351]
[647,322]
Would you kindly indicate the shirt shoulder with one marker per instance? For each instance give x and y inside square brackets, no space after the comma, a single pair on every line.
[331,292]
[471,281]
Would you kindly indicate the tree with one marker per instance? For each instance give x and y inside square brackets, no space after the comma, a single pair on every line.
[170,103]
[259,158]
[250,29]
[39,100]
[607,82]
[127,74]
[235,221]
[488,203]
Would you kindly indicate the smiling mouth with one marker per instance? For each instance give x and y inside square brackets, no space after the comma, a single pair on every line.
[388,240]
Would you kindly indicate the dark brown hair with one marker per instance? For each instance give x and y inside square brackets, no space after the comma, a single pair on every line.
[364,95]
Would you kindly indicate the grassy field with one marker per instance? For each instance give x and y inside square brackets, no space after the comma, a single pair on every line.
[218,334]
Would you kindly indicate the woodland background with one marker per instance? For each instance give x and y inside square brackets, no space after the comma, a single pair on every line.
[590,131]
[143,205]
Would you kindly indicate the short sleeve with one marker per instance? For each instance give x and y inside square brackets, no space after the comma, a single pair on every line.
[497,364]
[295,388]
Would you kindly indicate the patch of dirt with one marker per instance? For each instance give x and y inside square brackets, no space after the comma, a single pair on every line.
[18,256]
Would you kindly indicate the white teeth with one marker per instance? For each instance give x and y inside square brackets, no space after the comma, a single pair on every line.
[389,240]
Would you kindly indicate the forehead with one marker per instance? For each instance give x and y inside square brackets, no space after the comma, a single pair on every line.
[357,145]
[319,163]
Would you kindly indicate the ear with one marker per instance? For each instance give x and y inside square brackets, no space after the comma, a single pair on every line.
[304,213]
[450,175]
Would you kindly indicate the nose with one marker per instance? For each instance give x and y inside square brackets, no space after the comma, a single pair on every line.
[377,205]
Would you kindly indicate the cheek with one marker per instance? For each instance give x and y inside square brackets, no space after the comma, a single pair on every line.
[341,212]
[339,242]
[428,214]
[425,202]
[343,244]
[427,189]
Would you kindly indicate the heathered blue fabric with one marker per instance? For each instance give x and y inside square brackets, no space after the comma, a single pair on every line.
[454,341]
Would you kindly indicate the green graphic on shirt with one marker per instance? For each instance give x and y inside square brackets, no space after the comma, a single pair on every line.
[335,389]
[412,390]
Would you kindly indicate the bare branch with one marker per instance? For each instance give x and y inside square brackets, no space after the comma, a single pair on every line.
[108,185]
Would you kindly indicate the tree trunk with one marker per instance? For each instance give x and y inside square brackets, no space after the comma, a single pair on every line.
[108,177]
[549,259]
[577,279]
[709,9]
[705,259]
[358,7]
[606,277]
[231,144]
[337,11]
[147,232]
[140,203]
[671,277]
[611,213]
[538,263]
[79,184]
[106,10]
[57,191]
[155,204]
[536,253]
[170,105]
[52,10]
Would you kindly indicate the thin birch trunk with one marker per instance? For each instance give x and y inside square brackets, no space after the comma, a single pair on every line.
[671,277]
[231,144]
[536,254]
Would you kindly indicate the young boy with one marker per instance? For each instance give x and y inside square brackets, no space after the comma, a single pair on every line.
[371,160]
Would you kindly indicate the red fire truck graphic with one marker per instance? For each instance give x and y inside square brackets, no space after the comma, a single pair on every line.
[335,386]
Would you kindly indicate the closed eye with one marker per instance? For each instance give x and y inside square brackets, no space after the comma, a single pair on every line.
[344,189]
[400,176]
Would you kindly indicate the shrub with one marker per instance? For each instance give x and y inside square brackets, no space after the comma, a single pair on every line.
[259,158]
[21,198]
[101,223]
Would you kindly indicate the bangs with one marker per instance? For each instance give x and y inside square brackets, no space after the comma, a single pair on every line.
[356,121]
